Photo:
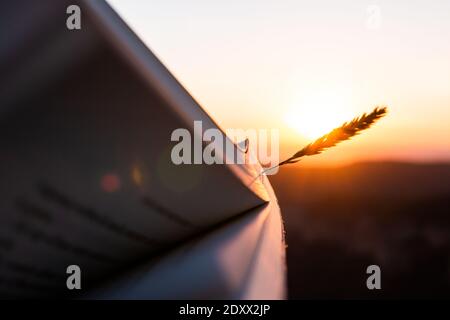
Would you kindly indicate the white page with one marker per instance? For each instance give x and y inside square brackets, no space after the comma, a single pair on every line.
[241,259]
[86,172]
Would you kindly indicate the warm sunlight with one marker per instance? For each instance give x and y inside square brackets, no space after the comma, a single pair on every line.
[305,70]
[316,113]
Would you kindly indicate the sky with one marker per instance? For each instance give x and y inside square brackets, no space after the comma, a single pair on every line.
[304,67]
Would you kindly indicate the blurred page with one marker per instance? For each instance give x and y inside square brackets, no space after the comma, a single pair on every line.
[85,124]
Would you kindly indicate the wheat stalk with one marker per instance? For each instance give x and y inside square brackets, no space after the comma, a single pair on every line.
[335,136]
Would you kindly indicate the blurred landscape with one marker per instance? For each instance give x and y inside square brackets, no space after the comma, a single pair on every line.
[340,220]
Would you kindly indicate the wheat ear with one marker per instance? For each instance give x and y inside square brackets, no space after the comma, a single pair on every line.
[337,135]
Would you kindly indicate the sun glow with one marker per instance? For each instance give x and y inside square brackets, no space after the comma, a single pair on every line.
[315,114]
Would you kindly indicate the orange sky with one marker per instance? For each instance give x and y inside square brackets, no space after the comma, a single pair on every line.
[306,67]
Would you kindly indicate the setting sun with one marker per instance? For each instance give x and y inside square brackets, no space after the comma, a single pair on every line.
[306,71]
[316,114]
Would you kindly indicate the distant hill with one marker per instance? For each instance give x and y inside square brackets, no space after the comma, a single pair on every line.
[340,220]
[372,178]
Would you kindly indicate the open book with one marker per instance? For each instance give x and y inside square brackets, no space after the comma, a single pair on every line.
[86,172]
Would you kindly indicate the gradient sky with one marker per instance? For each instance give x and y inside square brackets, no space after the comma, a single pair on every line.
[306,66]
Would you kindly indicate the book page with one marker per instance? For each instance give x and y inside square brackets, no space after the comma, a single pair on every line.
[87,174]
